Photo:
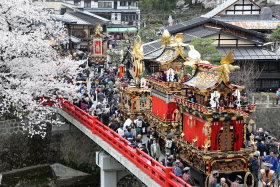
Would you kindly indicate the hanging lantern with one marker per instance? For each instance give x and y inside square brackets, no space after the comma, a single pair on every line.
[222,128]
[231,127]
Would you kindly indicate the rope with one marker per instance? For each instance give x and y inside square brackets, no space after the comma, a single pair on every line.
[246,177]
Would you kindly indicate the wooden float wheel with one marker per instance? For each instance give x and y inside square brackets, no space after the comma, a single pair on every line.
[246,180]
[135,69]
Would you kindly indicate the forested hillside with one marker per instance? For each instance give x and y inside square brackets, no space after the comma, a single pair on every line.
[157,6]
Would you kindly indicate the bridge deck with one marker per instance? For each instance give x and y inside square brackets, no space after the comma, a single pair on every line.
[147,169]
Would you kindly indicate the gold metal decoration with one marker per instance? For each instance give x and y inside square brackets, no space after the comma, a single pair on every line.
[182,135]
[138,55]
[177,41]
[206,144]
[252,140]
[98,32]
[226,66]
[138,49]
[251,122]
[194,140]
[205,128]
[165,37]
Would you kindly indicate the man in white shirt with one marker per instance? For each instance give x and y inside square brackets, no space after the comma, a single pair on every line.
[120,130]
[127,123]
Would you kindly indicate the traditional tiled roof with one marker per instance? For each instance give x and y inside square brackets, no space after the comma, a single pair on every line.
[258,25]
[154,48]
[249,53]
[202,20]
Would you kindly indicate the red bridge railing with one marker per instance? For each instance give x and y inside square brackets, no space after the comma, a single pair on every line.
[161,174]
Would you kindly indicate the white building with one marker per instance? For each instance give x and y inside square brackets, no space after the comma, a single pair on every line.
[119,12]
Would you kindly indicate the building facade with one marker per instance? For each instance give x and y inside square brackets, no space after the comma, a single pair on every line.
[119,12]
[81,26]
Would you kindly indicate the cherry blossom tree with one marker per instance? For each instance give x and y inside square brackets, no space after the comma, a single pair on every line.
[29,66]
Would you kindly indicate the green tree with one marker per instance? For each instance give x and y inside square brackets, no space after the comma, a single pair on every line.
[207,50]
[275,35]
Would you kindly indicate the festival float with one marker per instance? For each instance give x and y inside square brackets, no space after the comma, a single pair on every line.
[203,112]
[98,46]
[136,99]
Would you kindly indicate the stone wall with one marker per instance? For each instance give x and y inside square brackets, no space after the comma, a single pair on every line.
[268,119]
[76,148]
[17,150]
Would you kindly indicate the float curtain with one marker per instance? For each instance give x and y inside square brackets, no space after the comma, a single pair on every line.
[215,130]
[238,135]
[194,128]
[159,107]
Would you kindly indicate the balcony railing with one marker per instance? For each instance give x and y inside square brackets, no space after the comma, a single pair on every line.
[241,110]
[163,83]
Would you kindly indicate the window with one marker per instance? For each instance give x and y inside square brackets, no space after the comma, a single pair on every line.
[104,4]
[257,84]
[123,3]
[129,17]
[116,16]
[77,2]
[270,83]
[87,3]
[129,3]
[62,11]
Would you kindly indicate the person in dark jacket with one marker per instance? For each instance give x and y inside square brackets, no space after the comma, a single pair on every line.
[143,148]
[128,134]
[237,182]
[255,164]
[105,117]
[187,176]
[213,179]
[176,169]
[154,132]
[261,147]
[149,143]
[273,146]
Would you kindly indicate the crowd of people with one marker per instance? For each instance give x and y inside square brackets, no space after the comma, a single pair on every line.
[264,164]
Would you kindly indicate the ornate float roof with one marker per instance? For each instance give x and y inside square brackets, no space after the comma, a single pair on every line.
[172,50]
[207,77]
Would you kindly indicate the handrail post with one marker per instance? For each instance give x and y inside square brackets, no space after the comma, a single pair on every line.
[167,176]
[95,118]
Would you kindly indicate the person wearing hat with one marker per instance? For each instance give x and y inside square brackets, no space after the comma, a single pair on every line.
[267,176]
[187,176]
[237,182]
[176,169]
[143,148]
[254,163]
[213,179]
[181,166]
[167,159]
